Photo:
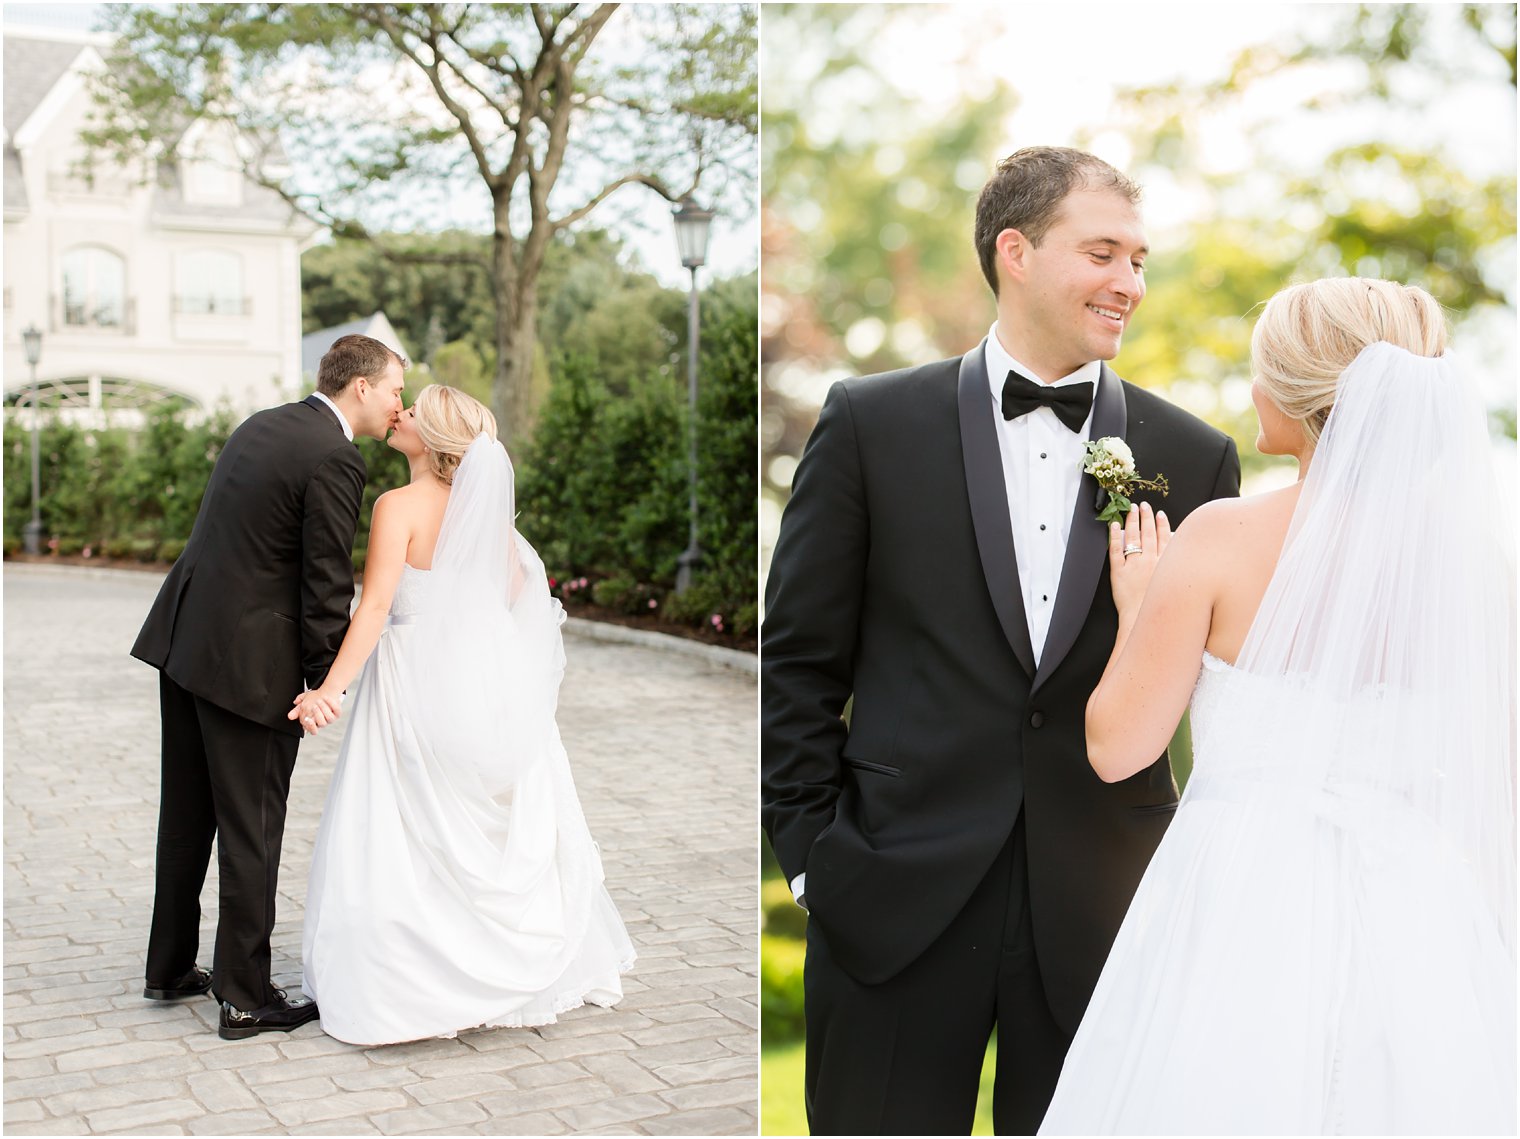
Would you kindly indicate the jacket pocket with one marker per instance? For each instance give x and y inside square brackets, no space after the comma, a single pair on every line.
[876,768]
[1155,808]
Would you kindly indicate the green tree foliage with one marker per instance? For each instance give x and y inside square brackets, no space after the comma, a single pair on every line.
[727,486]
[424,294]
[389,109]
[602,491]
[1390,200]
[458,365]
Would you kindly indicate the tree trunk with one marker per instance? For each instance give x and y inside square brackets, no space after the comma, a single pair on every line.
[512,385]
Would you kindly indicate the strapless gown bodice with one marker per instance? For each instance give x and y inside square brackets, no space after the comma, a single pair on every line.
[411,594]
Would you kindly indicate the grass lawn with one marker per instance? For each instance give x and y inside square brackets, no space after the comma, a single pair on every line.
[781,1111]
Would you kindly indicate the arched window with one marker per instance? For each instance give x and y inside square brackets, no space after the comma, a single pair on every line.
[94,287]
[210,281]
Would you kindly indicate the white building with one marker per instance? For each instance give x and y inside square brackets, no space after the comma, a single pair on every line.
[184,283]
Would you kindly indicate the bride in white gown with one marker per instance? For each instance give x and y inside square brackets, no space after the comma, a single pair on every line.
[454,883]
[1324,943]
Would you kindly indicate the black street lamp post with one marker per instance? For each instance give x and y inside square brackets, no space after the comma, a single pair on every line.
[31,535]
[692,225]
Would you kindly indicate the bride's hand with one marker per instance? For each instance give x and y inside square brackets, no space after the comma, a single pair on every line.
[1144,534]
[315,708]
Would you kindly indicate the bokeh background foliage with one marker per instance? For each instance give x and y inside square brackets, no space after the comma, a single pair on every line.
[1306,141]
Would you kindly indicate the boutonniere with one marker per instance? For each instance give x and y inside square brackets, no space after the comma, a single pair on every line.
[1112,463]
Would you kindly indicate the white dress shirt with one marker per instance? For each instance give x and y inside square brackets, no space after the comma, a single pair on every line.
[342,419]
[1042,471]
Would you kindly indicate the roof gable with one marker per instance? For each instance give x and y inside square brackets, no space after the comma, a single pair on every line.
[33,67]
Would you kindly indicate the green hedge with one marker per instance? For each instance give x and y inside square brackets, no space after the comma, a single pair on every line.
[126,493]
[602,488]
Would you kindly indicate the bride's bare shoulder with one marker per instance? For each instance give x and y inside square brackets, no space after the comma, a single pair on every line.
[1224,518]
[1223,537]
[414,496]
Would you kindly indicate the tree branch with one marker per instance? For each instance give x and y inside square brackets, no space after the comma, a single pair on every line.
[606,191]
[580,40]
[502,107]
[376,15]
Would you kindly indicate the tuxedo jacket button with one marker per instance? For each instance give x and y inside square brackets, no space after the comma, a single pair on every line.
[1037,719]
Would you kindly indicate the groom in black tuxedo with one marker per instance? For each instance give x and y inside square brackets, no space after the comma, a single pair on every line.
[254,608]
[940,562]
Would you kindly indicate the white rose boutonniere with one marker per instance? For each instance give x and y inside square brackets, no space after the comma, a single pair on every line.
[1112,463]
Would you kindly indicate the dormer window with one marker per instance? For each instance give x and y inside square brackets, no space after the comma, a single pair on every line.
[213,170]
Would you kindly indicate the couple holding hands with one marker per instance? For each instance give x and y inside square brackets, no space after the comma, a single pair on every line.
[454,883]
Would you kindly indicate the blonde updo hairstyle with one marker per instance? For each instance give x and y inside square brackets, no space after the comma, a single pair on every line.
[1308,335]
[447,422]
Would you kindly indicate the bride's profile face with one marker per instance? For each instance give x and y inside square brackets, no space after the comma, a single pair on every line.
[1278,434]
[405,438]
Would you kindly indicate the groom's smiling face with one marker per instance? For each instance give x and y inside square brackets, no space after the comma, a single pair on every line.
[1068,300]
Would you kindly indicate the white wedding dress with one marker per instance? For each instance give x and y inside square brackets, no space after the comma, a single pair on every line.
[1324,940]
[454,883]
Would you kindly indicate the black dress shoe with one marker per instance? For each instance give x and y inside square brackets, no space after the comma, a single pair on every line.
[280,1015]
[192,984]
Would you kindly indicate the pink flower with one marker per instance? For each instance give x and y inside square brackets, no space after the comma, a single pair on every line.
[551,583]
[53,544]
[88,552]
[653,604]
[583,583]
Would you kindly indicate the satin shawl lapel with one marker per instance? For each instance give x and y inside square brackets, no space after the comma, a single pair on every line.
[1087,547]
[989,502]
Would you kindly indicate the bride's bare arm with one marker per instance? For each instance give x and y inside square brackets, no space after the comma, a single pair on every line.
[389,535]
[1165,605]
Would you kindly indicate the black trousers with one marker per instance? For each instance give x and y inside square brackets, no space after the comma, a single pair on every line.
[228,778]
[905,1057]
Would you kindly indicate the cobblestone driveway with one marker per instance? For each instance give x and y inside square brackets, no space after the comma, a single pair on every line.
[663,748]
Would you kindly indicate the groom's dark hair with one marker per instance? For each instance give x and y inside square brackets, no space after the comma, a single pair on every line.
[1027,189]
[350,357]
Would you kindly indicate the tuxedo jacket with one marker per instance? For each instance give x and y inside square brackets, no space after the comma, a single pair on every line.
[257,605]
[894,586]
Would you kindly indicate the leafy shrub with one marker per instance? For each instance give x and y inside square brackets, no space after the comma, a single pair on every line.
[101,487]
[603,485]
[781,964]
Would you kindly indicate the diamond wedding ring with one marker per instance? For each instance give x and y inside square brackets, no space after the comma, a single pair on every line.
[1128,550]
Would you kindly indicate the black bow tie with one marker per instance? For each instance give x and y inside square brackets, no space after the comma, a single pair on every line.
[1070,402]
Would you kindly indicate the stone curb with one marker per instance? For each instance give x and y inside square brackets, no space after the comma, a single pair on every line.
[577,626]
[622,634]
